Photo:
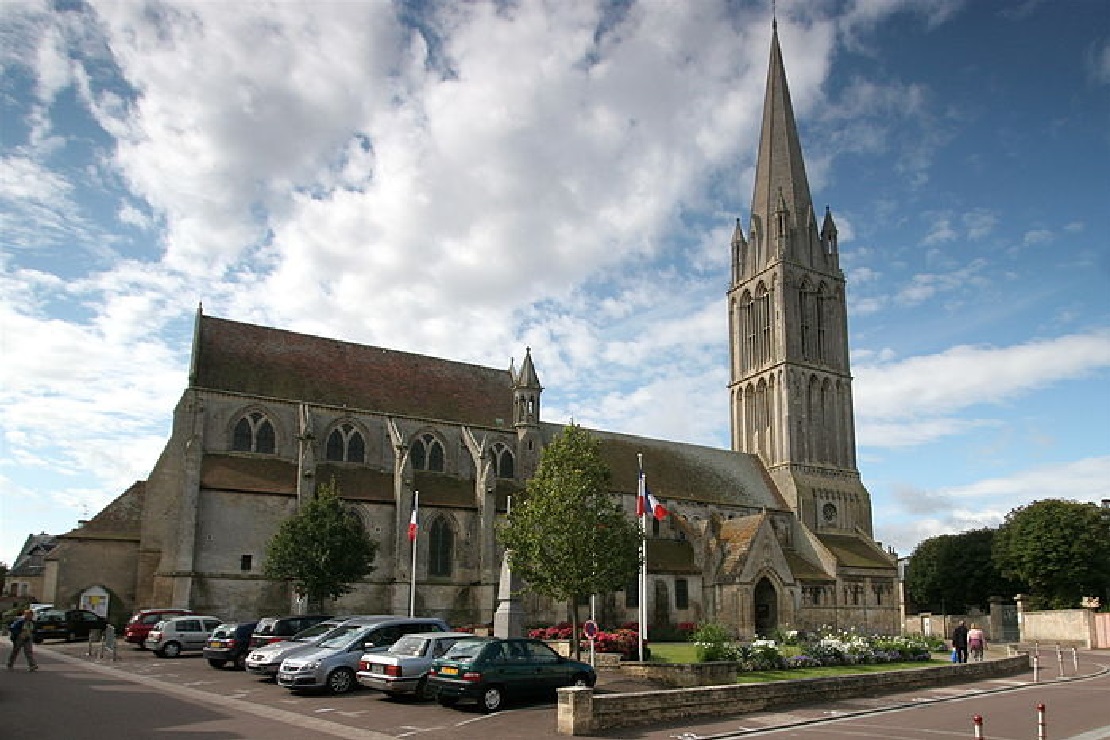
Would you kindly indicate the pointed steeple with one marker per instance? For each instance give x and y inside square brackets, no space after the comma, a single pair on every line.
[526,393]
[780,168]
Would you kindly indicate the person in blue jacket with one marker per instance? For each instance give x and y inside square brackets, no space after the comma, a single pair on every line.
[22,632]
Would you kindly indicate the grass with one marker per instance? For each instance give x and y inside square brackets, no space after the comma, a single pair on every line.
[686,652]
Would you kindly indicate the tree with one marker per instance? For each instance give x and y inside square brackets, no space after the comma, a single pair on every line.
[322,549]
[569,537]
[950,572]
[1059,548]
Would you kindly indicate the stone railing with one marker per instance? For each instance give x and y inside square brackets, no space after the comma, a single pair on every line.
[582,712]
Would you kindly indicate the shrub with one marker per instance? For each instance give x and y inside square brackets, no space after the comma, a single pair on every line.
[714,642]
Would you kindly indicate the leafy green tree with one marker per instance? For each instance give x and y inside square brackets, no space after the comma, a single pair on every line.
[951,572]
[1059,548]
[570,537]
[322,549]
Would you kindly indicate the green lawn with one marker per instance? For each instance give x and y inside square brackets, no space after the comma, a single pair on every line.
[685,652]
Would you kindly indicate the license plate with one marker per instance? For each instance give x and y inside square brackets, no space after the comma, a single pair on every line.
[377,668]
[449,670]
[214,644]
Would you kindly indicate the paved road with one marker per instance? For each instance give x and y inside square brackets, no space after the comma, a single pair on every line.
[142,696]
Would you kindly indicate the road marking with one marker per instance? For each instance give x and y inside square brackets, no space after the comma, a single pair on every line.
[237,706]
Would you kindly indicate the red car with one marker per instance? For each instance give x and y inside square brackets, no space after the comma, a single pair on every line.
[143,621]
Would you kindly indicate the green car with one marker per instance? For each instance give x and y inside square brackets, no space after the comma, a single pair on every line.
[489,670]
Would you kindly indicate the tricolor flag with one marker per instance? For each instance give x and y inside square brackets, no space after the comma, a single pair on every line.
[654,508]
[412,523]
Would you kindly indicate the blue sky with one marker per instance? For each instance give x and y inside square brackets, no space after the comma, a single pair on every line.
[469,180]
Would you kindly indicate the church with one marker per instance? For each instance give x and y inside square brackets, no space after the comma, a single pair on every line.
[775,533]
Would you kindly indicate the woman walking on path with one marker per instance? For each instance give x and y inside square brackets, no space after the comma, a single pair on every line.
[976,642]
[22,632]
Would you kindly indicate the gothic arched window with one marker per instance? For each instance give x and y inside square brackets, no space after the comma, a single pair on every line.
[441,548]
[503,461]
[427,453]
[254,433]
[345,444]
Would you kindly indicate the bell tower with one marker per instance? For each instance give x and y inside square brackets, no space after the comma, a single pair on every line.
[790,386]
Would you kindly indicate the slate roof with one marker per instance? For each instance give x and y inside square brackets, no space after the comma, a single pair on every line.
[263,361]
[855,552]
[29,562]
[676,471]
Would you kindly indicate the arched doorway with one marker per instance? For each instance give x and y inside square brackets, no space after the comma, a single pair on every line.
[766,603]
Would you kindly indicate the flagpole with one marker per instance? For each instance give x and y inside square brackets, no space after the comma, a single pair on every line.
[642,494]
[412,584]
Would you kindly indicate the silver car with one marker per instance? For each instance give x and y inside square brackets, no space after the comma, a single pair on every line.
[265,660]
[403,668]
[176,635]
[331,663]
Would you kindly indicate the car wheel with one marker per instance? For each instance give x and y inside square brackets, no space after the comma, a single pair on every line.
[217,662]
[492,699]
[241,662]
[447,701]
[341,680]
[421,692]
[582,680]
[71,636]
[171,650]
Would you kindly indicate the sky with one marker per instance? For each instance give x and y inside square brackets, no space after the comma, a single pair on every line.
[468,180]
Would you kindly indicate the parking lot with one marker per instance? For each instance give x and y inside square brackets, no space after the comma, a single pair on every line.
[191,679]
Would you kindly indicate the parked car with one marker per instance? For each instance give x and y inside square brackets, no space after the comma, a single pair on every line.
[143,621]
[403,668]
[331,663]
[177,635]
[229,642]
[265,660]
[66,624]
[279,629]
[489,670]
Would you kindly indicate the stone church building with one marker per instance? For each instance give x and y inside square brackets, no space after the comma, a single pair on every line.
[774,533]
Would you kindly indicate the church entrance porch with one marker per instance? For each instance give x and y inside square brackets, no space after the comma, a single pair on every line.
[765,602]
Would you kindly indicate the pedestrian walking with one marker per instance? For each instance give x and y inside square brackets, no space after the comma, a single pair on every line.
[959,641]
[976,642]
[22,632]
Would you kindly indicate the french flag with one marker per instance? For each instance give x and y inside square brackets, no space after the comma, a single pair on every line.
[647,503]
[654,508]
[412,524]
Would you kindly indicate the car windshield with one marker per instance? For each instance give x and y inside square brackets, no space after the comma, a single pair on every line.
[224,630]
[344,636]
[265,626]
[52,615]
[409,646]
[465,649]
[316,630]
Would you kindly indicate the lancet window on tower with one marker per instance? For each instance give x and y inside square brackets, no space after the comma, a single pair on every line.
[254,433]
[346,444]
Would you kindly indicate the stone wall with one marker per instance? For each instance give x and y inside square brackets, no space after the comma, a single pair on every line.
[1063,626]
[582,712]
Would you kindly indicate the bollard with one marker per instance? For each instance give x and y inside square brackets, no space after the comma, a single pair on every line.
[978,722]
[1060,659]
[1075,660]
[1036,668]
[1040,722]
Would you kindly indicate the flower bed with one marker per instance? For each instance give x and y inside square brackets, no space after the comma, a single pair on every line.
[825,647]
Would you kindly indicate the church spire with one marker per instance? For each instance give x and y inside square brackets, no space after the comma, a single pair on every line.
[779,168]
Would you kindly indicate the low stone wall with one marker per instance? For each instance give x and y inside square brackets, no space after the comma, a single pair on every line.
[684,675]
[581,711]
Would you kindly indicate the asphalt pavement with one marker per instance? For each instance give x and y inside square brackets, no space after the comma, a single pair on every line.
[77,695]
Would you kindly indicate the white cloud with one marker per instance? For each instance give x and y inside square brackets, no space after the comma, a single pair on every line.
[899,401]
[985,503]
